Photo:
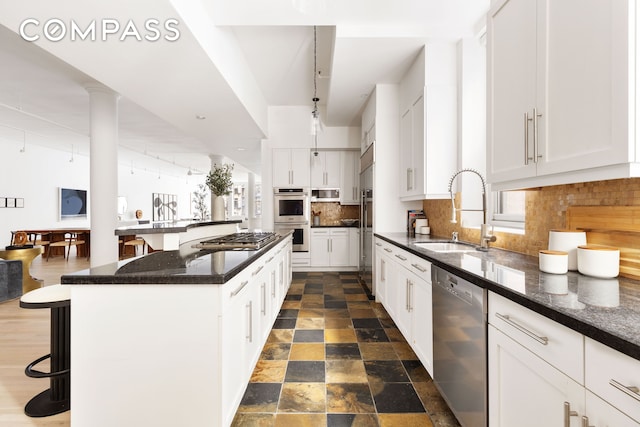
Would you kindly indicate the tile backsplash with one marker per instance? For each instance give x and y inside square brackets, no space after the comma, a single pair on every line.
[545,209]
[333,212]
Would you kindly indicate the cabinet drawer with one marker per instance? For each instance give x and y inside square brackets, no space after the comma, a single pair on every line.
[402,257]
[613,376]
[421,267]
[387,248]
[558,345]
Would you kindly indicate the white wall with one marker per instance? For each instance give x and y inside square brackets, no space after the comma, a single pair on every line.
[472,124]
[36,175]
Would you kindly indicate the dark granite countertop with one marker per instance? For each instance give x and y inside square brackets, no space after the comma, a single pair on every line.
[184,266]
[611,317]
[167,227]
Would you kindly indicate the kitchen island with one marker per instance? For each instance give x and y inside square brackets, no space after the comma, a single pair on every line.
[171,338]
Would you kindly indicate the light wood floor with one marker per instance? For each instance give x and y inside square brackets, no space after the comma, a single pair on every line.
[24,336]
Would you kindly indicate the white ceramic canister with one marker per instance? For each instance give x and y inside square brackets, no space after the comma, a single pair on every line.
[425,230]
[567,241]
[421,222]
[599,261]
[555,262]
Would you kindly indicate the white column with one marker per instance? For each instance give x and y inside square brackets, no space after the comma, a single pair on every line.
[251,201]
[216,159]
[103,189]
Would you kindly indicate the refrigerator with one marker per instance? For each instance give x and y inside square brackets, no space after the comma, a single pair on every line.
[366,219]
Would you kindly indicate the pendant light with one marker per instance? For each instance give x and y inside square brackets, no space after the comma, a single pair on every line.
[316,123]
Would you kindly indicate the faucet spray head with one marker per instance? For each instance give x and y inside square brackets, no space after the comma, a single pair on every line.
[453,210]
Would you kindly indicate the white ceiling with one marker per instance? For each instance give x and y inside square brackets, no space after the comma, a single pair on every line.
[234,58]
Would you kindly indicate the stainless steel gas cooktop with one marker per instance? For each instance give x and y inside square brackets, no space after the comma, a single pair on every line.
[248,241]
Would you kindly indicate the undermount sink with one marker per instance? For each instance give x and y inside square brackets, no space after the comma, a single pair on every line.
[445,246]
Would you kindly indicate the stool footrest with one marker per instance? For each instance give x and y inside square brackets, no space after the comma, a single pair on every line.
[30,372]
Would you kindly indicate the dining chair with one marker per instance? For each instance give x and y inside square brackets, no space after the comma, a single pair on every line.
[70,239]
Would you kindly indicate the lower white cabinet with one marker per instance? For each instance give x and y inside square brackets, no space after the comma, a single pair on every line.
[543,374]
[403,286]
[329,247]
[615,379]
[526,391]
[250,305]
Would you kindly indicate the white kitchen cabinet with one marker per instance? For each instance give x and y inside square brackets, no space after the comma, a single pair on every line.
[422,310]
[354,247]
[329,247]
[526,391]
[428,144]
[291,167]
[350,178]
[615,378]
[326,169]
[603,414]
[406,283]
[560,98]
[241,340]
[381,272]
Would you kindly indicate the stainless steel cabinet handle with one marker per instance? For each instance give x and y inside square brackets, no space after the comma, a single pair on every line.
[536,144]
[263,302]
[249,321]
[388,250]
[629,390]
[568,413]
[401,257]
[406,296]
[273,284]
[237,291]
[383,267]
[526,138]
[410,296]
[585,422]
[540,339]
[258,270]
[419,267]
[378,244]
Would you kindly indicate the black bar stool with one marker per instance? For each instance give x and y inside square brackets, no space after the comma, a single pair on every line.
[56,399]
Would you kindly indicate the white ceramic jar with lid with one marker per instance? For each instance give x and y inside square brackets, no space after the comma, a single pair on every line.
[599,261]
[555,262]
[568,241]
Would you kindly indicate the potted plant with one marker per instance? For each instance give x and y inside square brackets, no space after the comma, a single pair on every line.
[220,183]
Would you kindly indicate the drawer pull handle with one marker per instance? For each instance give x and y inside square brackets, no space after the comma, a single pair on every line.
[568,413]
[378,244]
[418,267]
[257,271]
[388,250]
[631,390]
[237,291]
[542,340]
[401,257]
[585,422]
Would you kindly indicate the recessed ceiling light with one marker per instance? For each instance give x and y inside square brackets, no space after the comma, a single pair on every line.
[241,149]
[199,117]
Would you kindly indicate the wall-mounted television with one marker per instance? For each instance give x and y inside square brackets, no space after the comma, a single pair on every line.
[73,203]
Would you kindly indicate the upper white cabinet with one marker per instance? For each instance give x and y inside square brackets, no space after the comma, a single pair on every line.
[368,126]
[291,167]
[428,117]
[561,99]
[325,169]
[350,178]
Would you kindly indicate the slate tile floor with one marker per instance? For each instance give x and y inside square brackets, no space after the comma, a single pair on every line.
[335,358]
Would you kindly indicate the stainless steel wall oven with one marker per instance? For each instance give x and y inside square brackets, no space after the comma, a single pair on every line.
[291,212]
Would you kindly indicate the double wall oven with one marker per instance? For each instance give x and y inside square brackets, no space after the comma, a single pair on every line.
[292,212]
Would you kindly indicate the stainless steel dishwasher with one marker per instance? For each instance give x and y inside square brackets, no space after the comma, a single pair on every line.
[460,346]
